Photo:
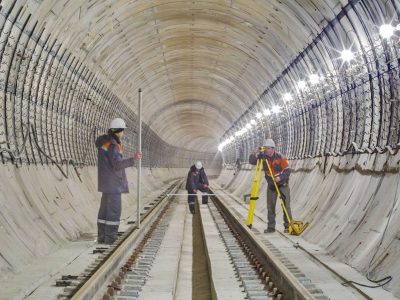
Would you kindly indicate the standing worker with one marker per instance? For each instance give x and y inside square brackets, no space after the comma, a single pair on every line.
[196,181]
[112,180]
[281,172]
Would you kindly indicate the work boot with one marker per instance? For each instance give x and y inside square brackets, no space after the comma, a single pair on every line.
[100,232]
[192,208]
[269,230]
[286,230]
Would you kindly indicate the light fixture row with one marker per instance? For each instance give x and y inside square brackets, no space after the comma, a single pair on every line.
[275,109]
[386,31]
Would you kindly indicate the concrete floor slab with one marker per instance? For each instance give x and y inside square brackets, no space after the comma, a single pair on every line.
[162,280]
[224,280]
[184,282]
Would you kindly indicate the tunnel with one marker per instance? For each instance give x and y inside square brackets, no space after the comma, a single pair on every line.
[215,79]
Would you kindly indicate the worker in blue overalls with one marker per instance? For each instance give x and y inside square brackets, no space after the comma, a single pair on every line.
[112,180]
[196,181]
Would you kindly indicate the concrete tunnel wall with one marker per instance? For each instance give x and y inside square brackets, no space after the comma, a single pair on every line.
[352,205]
[68,68]
[42,211]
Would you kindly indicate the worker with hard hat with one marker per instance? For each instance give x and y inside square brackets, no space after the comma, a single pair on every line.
[112,180]
[196,181]
[281,172]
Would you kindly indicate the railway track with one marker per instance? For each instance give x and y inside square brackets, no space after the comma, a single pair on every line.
[259,270]
[111,259]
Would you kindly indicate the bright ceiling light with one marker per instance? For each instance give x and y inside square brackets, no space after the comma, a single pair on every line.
[267,112]
[258,115]
[314,78]
[276,109]
[347,55]
[220,147]
[237,133]
[287,97]
[301,85]
[253,122]
[386,31]
[248,125]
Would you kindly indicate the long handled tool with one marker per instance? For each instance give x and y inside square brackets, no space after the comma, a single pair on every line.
[295,227]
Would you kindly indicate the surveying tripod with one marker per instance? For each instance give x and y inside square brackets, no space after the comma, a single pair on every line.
[254,191]
[256,185]
[295,227]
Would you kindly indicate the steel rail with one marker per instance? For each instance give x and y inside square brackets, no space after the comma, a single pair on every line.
[112,264]
[282,277]
[316,259]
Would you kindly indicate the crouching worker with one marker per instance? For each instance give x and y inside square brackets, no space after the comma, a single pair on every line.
[191,187]
[197,181]
[112,180]
[203,182]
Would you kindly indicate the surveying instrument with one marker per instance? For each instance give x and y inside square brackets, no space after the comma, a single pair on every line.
[295,227]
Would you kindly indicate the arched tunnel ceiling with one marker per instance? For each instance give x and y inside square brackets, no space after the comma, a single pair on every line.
[200,64]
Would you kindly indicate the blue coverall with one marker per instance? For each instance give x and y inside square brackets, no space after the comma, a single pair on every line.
[112,183]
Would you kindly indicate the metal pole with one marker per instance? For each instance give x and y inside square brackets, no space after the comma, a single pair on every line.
[139,167]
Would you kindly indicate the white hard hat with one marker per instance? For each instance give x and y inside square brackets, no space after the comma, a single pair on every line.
[269,143]
[198,165]
[117,123]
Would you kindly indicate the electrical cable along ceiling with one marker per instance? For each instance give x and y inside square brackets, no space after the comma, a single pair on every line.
[212,72]
[200,64]
[338,96]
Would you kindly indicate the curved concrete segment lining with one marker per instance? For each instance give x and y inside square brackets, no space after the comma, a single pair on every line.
[207,69]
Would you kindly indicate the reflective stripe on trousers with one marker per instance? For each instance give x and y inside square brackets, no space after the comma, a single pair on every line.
[108,222]
[109,218]
[192,201]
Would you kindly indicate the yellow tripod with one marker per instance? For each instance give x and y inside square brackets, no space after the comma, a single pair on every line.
[295,227]
[254,192]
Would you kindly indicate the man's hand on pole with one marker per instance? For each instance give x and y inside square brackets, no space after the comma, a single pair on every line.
[137,156]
